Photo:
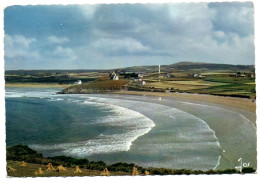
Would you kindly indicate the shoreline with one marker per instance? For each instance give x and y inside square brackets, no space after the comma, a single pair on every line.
[222,132]
[36,85]
[233,102]
[229,124]
[245,104]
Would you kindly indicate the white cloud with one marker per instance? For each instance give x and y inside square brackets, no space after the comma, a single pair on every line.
[143,35]
[190,11]
[57,40]
[88,11]
[18,41]
[126,45]
[219,34]
[19,46]
[234,17]
[63,53]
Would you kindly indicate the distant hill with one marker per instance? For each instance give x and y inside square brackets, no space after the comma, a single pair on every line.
[193,66]
[180,66]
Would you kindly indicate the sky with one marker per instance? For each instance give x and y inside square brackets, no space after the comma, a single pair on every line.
[107,36]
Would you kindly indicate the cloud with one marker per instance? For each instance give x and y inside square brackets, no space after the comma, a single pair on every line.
[57,40]
[219,34]
[88,11]
[63,54]
[234,17]
[130,34]
[19,46]
[18,41]
[118,46]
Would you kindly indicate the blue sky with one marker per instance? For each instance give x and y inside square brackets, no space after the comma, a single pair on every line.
[120,35]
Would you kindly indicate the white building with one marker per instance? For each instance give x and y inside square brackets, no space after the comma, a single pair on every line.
[140,75]
[79,82]
[115,77]
[137,80]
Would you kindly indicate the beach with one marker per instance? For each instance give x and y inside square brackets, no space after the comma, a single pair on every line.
[191,131]
[234,127]
[36,85]
[233,102]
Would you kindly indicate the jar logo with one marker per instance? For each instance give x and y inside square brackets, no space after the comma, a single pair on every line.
[242,165]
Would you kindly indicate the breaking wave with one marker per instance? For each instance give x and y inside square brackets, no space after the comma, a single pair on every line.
[134,124]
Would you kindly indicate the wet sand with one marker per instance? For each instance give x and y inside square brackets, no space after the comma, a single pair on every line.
[232,119]
[235,128]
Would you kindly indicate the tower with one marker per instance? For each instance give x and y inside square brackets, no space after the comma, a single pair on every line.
[159,72]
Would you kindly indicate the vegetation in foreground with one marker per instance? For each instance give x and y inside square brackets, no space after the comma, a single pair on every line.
[25,162]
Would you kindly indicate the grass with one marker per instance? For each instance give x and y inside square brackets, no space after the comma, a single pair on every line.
[215,83]
[169,84]
[196,82]
[212,83]
[97,87]
[183,84]
[30,168]
[107,84]
[18,153]
[227,79]
[93,75]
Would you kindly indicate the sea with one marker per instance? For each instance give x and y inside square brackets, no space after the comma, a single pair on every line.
[110,128]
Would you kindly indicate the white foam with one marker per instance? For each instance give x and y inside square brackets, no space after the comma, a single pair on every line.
[126,114]
[19,92]
[195,135]
[215,107]
[136,123]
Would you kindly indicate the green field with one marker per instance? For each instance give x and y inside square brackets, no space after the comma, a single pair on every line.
[215,79]
[224,84]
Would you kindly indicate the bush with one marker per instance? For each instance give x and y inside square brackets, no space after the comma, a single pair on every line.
[24,153]
[248,170]
[69,161]
[100,165]
[124,167]
[21,153]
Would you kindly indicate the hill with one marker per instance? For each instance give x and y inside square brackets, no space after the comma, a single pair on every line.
[180,66]
[192,66]
[96,87]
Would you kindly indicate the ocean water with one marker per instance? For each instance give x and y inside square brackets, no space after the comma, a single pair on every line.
[110,128]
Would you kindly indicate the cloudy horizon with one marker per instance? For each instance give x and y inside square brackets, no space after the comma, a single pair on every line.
[107,36]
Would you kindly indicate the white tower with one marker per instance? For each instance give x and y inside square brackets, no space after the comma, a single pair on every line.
[159,72]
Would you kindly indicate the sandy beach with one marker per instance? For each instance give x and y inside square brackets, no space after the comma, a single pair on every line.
[240,103]
[232,119]
[36,85]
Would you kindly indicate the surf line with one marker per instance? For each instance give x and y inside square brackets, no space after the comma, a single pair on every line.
[220,108]
[119,109]
[169,107]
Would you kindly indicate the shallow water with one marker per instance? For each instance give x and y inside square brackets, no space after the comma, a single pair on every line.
[143,130]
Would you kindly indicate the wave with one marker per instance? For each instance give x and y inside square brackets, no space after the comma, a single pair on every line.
[29,92]
[135,125]
[186,132]
[195,130]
